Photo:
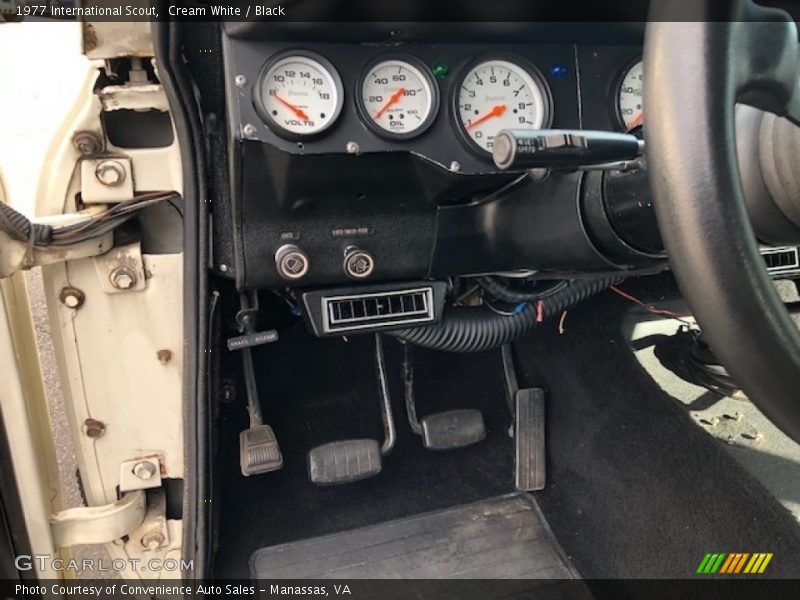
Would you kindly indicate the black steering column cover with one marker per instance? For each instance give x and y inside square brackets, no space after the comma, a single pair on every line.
[692,79]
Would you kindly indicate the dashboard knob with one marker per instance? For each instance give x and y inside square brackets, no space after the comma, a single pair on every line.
[291,262]
[358,263]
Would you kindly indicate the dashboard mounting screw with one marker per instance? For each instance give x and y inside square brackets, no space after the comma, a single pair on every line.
[352,147]
[249,130]
[152,540]
[110,173]
[455,166]
[87,143]
[240,81]
[71,297]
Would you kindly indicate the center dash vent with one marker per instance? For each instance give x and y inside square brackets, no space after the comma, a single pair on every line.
[782,261]
[334,312]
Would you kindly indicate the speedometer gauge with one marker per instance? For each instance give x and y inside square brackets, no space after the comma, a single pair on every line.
[629,97]
[399,98]
[500,94]
[299,94]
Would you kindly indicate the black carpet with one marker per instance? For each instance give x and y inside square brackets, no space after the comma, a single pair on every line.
[634,488]
[316,391]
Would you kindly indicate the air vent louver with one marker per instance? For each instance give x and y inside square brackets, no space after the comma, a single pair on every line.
[368,311]
[782,261]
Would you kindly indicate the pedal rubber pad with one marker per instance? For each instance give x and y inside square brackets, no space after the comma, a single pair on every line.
[529,440]
[452,429]
[259,451]
[344,462]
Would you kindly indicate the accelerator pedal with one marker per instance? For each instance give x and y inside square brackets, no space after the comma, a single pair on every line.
[529,440]
[347,461]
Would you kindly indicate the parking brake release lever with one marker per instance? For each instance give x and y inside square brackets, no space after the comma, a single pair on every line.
[565,149]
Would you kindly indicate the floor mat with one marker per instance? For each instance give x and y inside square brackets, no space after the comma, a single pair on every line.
[500,538]
[634,488]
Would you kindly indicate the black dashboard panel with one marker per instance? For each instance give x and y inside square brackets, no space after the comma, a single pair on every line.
[402,200]
[443,143]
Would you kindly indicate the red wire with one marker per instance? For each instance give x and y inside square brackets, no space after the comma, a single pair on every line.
[648,307]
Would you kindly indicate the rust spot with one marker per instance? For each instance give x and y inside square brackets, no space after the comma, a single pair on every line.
[164,356]
[89,37]
[94,428]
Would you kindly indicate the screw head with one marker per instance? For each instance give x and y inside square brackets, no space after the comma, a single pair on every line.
[110,173]
[144,470]
[87,143]
[240,81]
[455,166]
[152,540]
[352,147]
[71,297]
[94,428]
[249,130]
[122,278]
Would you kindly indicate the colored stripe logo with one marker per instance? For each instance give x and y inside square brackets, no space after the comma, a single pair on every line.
[734,563]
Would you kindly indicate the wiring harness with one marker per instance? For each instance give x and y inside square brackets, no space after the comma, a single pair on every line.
[22,229]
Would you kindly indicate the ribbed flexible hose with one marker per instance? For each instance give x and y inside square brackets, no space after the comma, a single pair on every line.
[476,329]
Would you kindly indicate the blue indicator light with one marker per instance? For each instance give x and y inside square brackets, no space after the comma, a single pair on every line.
[558,70]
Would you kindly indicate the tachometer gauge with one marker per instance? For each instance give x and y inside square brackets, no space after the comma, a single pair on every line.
[399,98]
[299,94]
[629,98]
[499,94]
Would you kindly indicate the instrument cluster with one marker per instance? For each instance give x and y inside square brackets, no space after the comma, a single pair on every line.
[445,103]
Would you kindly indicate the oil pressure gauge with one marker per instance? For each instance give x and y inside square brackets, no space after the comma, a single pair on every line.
[299,94]
[398,97]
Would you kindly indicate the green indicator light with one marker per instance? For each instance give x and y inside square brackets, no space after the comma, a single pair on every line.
[440,70]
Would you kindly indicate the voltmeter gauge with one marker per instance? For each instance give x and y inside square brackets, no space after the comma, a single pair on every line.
[399,98]
[501,94]
[629,98]
[298,94]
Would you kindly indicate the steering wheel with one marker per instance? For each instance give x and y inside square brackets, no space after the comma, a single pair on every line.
[694,73]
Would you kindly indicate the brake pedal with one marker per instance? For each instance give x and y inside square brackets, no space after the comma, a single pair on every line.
[445,430]
[347,461]
[259,451]
[529,440]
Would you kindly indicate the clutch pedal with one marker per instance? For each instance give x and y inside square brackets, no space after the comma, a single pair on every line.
[445,430]
[347,461]
[259,451]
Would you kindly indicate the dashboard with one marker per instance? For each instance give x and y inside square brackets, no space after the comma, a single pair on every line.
[362,152]
[442,102]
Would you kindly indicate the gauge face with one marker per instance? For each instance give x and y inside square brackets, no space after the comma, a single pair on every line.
[398,98]
[299,95]
[629,98]
[498,94]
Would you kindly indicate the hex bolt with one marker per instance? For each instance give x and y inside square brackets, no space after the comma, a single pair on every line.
[240,81]
[71,297]
[144,470]
[122,278]
[110,173]
[94,428]
[249,130]
[87,143]
[152,540]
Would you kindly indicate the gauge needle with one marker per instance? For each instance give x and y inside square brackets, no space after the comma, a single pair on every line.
[636,121]
[295,109]
[392,100]
[497,110]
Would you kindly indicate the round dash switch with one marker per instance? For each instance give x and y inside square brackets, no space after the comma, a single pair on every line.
[291,262]
[358,263]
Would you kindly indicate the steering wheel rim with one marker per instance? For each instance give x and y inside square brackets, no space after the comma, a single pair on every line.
[694,72]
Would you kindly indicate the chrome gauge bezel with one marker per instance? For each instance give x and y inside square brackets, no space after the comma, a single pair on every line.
[518,61]
[616,88]
[263,113]
[364,113]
